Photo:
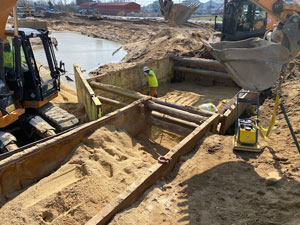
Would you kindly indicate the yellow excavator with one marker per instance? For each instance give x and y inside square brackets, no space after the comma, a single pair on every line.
[255,64]
[242,19]
[25,92]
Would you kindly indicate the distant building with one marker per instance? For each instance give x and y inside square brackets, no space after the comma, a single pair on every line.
[79,2]
[117,8]
[87,5]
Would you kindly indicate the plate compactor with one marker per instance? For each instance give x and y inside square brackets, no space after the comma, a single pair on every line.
[246,129]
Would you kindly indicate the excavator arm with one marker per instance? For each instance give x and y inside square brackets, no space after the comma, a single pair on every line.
[6,7]
[255,63]
[279,8]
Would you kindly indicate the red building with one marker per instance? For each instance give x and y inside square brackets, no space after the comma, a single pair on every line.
[115,8]
[87,5]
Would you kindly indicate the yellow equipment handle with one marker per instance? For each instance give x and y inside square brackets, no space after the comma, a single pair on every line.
[261,129]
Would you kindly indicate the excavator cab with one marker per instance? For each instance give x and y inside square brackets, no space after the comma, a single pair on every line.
[32,87]
[243,19]
[29,80]
[27,87]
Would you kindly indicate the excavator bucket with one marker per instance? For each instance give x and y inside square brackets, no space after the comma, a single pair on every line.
[180,14]
[177,13]
[5,8]
[254,64]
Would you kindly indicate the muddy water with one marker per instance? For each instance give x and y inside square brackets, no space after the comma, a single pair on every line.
[87,52]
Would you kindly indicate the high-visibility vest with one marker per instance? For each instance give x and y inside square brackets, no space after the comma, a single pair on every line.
[152,79]
[208,107]
[8,59]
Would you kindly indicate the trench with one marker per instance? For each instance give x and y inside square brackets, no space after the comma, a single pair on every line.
[74,176]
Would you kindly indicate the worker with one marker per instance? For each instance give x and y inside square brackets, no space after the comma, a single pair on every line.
[152,81]
[8,56]
[208,107]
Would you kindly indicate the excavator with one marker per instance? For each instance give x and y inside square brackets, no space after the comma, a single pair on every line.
[26,92]
[243,19]
[255,64]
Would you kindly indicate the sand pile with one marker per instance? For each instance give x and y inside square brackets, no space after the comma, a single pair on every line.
[216,186]
[101,167]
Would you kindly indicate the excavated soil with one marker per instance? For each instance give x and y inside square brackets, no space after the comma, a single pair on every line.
[214,185]
[144,40]
[98,169]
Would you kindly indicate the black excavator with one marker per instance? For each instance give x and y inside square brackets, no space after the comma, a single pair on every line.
[26,113]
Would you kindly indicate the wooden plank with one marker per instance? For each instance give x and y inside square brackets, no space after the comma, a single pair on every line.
[185,108]
[157,171]
[175,112]
[200,72]
[174,128]
[86,96]
[111,101]
[229,115]
[117,90]
[209,63]
[40,160]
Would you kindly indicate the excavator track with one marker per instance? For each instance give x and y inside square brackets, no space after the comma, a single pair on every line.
[57,117]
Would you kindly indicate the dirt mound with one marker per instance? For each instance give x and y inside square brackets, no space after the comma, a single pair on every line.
[101,167]
[56,15]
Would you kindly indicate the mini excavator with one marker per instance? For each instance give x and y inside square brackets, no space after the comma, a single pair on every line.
[25,93]
[255,63]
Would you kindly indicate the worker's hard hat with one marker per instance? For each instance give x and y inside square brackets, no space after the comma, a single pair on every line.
[146,69]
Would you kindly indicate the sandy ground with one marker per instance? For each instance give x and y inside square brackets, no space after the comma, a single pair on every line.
[214,185]
[191,94]
[101,167]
